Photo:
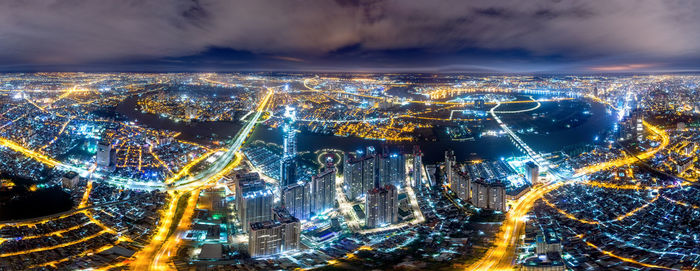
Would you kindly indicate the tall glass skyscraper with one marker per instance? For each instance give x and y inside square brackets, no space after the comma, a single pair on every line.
[288,164]
[290,137]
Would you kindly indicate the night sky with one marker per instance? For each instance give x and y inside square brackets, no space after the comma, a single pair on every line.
[350,35]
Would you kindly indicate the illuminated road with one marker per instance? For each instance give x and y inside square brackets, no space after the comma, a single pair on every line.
[86,195]
[629,159]
[344,206]
[170,244]
[169,248]
[502,255]
[625,259]
[541,162]
[142,259]
[151,256]
[522,110]
[593,222]
[224,164]
[156,254]
[187,182]
[86,238]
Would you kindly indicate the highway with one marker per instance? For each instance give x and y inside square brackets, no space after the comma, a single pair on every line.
[630,159]
[169,247]
[224,164]
[156,254]
[188,182]
[183,183]
[501,256]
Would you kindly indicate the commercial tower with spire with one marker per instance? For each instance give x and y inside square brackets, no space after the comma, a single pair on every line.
[288,165]
[295,193]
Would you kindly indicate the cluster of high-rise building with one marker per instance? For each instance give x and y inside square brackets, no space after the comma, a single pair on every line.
[303,198]
[306,198]
[323,190]
[632,127]
[368,169]
[481,193]
[271,230]
[376,176]
[276,229]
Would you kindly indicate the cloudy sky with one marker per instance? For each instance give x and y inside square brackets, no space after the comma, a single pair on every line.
[353,35]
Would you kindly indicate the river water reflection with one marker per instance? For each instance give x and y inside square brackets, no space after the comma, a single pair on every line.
[598,123]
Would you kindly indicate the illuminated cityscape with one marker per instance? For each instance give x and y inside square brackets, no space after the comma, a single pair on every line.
[279,154]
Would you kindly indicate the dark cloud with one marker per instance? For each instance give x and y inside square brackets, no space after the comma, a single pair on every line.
[76,32]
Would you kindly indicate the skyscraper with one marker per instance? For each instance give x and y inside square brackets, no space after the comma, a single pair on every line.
[272,237]
[381,206]
[595,91]
[383,169]
[359,173]
[491,196]
[290,137]
[497,196]
[462,185]
[450,161]
[323,190]
[369,170]
[417,181]
[288,172]
[391,168]
[70,179]
[106,156]
[480,194]
[532,172]
[288,165]
[548,241]
[632,126]
[265,238]
[253,200]
[103,149]
[352,176]
[291,232]
[297,199]
[637,118]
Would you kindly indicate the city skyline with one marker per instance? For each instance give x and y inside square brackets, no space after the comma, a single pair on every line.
[349,135]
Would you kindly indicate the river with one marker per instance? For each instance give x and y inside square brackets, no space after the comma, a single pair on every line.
[596,123]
